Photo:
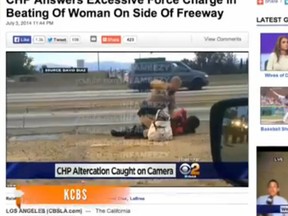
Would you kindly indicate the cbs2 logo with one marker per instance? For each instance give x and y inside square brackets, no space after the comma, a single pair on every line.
[187,169]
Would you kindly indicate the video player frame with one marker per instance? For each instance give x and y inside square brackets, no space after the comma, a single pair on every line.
[65,119]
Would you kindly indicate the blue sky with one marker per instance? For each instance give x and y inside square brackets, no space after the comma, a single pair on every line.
[71,58]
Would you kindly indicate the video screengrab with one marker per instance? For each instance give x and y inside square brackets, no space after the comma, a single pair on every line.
[274,103]
[274,52]
[272,190]
[122,118]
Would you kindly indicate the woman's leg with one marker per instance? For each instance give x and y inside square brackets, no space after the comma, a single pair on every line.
[137,131]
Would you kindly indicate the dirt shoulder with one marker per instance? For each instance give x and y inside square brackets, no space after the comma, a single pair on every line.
[95,148]
[104,148]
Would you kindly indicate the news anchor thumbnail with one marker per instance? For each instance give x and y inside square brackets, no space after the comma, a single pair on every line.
[273,197]
[278,60]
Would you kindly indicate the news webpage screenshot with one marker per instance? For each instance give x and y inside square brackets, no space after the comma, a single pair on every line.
[136,107]
[79,123]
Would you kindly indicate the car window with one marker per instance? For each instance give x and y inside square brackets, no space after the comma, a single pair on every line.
[179,67]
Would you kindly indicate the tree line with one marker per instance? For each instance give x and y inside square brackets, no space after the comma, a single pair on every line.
[218,63]
[18,63]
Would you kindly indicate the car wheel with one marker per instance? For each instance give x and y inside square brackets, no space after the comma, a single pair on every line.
[196,84]
[144,87]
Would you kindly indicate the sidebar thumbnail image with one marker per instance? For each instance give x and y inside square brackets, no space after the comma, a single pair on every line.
[272,187]
[274,105]
[274,52]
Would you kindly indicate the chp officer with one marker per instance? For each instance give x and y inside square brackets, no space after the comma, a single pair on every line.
[162,97]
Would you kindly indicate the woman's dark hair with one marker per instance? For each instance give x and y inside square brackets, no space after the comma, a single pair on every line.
[277,49]
[192,123]
[274,181]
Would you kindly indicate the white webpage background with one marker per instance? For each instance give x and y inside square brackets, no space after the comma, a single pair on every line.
[240,17]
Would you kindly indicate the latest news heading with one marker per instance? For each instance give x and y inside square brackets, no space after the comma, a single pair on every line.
[171,9]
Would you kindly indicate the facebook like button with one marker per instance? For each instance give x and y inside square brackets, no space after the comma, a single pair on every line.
[22,39]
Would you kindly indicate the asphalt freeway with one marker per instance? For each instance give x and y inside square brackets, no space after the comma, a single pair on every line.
[118,94]
[104,117]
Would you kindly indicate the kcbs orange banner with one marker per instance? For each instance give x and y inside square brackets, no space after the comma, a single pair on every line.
[72,195]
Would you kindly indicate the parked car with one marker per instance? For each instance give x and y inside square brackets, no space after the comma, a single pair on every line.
[143,71]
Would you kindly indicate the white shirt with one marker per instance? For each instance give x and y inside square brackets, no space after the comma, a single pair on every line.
[281,65]
[277,200]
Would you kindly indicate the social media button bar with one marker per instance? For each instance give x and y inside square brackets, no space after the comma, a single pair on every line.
[206,40]
[111,39]
[22,39]
[272,2]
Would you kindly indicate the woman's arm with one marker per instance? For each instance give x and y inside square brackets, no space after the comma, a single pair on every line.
[171,104]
